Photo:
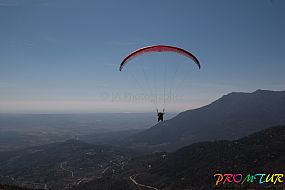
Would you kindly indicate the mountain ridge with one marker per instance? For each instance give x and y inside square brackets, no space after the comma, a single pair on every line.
[232,116]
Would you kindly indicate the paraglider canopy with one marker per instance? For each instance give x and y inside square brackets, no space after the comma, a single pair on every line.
[159,48]
[161,80]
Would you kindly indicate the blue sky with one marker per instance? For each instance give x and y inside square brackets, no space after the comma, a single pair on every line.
[63,55]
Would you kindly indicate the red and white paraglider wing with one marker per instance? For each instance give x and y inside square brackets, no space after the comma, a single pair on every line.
[159,48]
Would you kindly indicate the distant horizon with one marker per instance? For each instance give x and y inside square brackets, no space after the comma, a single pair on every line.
[124,112]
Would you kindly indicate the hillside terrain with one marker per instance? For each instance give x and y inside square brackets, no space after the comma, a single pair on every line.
[194,166]
[59,165]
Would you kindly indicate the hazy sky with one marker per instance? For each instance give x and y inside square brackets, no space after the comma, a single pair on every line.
[63,55]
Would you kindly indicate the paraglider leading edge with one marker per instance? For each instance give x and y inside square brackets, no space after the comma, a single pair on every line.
[159,48]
